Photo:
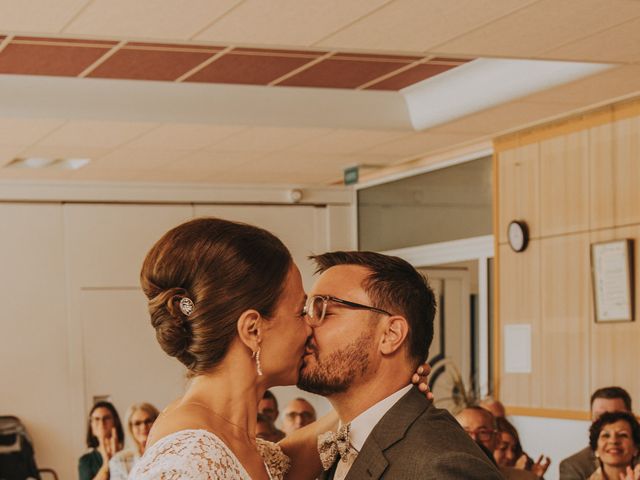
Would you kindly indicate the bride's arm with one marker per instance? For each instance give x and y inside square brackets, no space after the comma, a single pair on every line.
[302,448]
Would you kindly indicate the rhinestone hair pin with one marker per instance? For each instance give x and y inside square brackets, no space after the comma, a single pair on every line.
[186,306]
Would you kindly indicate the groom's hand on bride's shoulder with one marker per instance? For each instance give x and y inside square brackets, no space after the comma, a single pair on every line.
[421,378]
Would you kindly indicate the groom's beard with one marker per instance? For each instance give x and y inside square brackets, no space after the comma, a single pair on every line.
[336,373]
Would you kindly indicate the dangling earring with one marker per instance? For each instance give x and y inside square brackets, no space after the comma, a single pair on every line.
[256,356]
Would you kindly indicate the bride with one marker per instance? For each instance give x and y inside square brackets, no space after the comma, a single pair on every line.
[226,300]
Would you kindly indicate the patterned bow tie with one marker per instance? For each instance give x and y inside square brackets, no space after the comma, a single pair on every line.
[334,444]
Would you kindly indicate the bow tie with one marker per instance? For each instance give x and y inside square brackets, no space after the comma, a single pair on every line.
[334,444]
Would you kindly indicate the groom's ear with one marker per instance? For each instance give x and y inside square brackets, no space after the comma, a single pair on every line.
[396,330]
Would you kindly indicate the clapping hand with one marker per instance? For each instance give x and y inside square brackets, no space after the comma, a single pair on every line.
[420,378]
[631,474]
[540,467]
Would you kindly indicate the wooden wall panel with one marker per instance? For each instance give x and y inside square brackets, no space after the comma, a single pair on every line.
[616,346]
[564,184]
[626,134]
[565,312]
[518,179]
[601,177]
[520,303]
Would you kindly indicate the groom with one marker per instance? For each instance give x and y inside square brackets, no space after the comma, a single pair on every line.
[372,317]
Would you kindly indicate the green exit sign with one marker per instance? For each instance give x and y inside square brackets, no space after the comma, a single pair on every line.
[351,175]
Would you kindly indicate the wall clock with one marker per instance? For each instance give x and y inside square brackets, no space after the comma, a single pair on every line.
[518,235]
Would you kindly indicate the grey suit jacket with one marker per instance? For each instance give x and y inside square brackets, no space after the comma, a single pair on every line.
[415,440]
[579,466]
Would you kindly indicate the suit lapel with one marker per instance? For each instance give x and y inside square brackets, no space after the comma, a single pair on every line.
[371,461]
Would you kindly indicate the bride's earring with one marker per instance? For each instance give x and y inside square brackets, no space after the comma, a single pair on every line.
[256,357]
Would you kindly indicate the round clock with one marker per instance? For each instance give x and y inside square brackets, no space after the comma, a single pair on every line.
[518,235]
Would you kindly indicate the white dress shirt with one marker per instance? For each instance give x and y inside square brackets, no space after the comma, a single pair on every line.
[363,424]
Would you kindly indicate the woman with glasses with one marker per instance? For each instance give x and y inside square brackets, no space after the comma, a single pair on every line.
[140,418]
[105,438]
[226,300]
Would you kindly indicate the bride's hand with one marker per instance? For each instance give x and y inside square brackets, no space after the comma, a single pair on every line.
[421,379]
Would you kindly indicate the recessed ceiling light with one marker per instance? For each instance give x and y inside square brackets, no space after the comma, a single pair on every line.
[70,163]
[30,162]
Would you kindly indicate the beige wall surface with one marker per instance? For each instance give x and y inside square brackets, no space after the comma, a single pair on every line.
[74,322]
[575,183]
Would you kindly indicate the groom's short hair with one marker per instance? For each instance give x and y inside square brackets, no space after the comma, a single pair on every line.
[396,286]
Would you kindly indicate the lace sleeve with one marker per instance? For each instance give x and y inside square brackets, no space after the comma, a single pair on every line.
[189,455]
[274,458]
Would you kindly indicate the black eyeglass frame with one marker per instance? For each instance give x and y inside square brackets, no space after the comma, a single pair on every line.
[325,301]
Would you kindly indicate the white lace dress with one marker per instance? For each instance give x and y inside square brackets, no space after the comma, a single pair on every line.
[201,455]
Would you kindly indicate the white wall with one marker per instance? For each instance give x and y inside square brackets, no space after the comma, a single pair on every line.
[74,322]
[552,437]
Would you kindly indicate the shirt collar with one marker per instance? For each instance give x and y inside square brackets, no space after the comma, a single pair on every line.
[363,424]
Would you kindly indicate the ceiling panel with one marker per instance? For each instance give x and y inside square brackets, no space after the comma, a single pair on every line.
[617,44]
[152,19]
[38,16]
[206,162]
[160,63]
[417,25]
[286,22]
[254,67]
[614,83]
[419,143]
[542,26]
[91,153]
[25,131]
[344,71]
[95,134]
[191,136]
[266,139]
[410,76]
[138,158]
[346,141]
[27,56]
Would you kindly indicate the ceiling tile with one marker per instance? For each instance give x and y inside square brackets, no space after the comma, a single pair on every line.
[138,159]
[411,76]
[341,73]
[95,134]
[213,162]
[25,131]
[184,136]
[617,44]
[91,153]
[344,142]
[48,59]
[38,16]
[614,83]
[416,25]
[150,64]
[286,22]
[35,174]
[8,153]
[419,144]
[540,27]
[109,175]
[244,68]
[266,139]
[161,19]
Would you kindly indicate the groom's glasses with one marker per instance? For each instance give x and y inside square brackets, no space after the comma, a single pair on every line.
[316,308]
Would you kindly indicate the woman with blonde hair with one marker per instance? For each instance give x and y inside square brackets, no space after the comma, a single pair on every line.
[140,418]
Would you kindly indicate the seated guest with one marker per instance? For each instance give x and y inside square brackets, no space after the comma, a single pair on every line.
[480,425]
[266,430]
[615,440]
[582,464]
[140,418]
[509,453]
[298,413]
[105,438]
[268,406]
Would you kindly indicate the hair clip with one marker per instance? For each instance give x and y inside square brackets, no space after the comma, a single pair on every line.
[186,306]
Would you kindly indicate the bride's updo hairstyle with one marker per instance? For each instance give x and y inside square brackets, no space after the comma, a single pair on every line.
[224,268]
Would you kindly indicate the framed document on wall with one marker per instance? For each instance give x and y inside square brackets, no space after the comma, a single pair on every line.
[612,279]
